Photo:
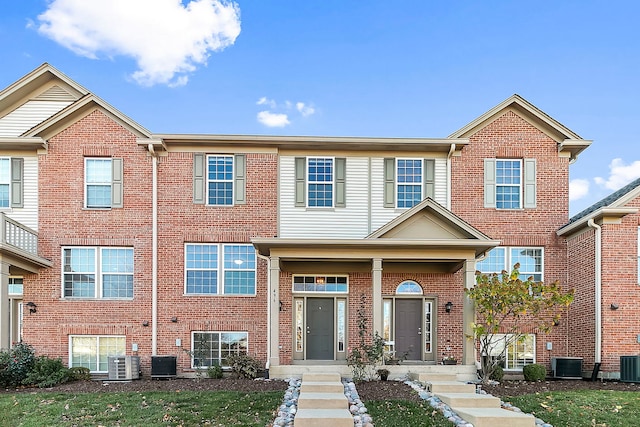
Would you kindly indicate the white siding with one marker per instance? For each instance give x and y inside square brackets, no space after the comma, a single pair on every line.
[28,215]
[348,222]
[381,215]
[29,115]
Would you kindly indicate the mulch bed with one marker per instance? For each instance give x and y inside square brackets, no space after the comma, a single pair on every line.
[370,390]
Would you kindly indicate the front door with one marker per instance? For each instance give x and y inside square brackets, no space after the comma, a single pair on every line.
[408,340]
[320,329]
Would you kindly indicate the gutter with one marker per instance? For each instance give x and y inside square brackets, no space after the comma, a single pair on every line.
[154,253]
[451,151]
[598,289]
[266,258]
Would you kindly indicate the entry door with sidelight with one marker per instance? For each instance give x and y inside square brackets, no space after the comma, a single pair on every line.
[320,329]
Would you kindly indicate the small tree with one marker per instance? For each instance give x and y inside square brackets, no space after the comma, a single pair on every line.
[506,304]
[369,350]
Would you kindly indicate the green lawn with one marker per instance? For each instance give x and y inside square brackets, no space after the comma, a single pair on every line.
[185,408]
[394,413]
[588,408]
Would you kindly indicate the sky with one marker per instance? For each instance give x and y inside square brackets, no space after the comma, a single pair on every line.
[414,68]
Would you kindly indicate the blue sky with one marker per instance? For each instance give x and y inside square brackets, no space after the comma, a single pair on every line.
[348,68]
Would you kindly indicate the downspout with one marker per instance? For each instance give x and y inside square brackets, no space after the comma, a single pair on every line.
[598,290]
[266,366]
[451,150]
[154,253]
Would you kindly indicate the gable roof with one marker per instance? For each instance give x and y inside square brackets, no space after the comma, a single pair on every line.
[568,141]
[612,206]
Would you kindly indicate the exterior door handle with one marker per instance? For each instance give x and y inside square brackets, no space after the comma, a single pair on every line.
[308,330]
[419,331]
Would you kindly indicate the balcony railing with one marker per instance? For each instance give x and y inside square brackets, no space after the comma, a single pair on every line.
[20,236]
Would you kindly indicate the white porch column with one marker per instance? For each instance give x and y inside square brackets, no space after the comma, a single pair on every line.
[468,314]
[274,313]
[376,278]
[5,312]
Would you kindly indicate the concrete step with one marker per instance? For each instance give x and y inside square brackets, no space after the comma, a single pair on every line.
[323,418]
[450,387]
[495,417]
[321,377]
[321,387]
[425,377]
[323,401]
[469,400]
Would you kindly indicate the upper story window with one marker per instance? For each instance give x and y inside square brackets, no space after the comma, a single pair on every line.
[408,181]
[219,180]
[320,182]
[103,183]
[510,183]
[94,272]
[504,258]
[209,265]
[11,182]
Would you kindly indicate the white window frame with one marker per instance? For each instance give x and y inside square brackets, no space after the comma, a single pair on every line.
[230,180]
[420,183]
[13,282]
[519,186]
[509,261]
[5,180]
[220,357]
[320,281]
[99,272]
[496,349]
[220,269]
[108,183]
[332,182]
[98,338]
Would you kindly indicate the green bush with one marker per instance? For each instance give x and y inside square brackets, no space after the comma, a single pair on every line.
[47,372]
[79,373]
[214,371]
[244,365]
[534,372]
[15,364]
[497,374]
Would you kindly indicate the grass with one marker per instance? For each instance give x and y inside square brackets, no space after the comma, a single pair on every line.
[394,413]
[185,408]
[588,408]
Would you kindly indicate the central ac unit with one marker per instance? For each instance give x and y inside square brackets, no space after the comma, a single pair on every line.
[567,367]
[124,367]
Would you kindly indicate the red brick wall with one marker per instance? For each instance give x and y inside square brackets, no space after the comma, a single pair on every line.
[64,222]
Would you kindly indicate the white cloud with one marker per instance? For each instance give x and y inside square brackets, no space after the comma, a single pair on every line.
[305,110]
[619,174]
[266,101]
[273,120]
[578,188]
[166,38]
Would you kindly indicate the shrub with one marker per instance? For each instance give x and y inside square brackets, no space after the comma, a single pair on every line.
[47,372]
[534,372]
[79,373]
[214,371]
[497,374]
[244,365]
[15,364]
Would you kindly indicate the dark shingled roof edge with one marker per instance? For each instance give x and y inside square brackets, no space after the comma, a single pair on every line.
[606,201]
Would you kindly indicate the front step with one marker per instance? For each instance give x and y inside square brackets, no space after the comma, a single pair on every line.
[321,387]
[323,401]
[426,377]
[323,418]
[321,377]
[436,387]
[495,417]
[469,400]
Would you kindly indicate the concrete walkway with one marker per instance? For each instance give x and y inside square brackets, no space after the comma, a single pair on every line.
[322,402]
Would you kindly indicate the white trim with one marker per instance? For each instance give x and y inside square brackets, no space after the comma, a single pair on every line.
[97,337]
[419,184]
[102,184]
[208,181]
[193,355]
[316,276]
[308,181]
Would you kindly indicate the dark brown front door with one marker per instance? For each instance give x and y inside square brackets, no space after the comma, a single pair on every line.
[408,328]
[320,329]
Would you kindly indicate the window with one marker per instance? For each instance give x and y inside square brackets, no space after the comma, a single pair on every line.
[504,258]
[11,181]
[103,183]
[408,181]
[93,351]
[5,182]
[207,265]
[91,271]
[320,182]
[409,287]
[337,284]
[209,348]
[515,352]
[220,180]
[15,285]
[510,183]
